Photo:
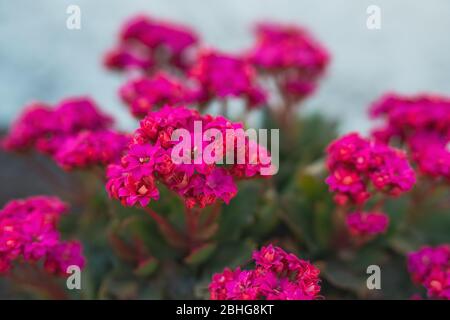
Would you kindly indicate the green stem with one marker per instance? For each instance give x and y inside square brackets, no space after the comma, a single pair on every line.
[170,233]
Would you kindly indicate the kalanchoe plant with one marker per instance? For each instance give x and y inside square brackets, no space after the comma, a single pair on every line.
[29,235]
[421,123]
[144,94]
[207,213]
[357,164]
[430,267]
[149,160]
[222,76]
[91,148]
[74,133]
[367,223]
[292,59]
[361,169]
[148,44]
[277,275]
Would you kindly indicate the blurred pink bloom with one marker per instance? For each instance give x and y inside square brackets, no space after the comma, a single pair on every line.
[410,115]
[223,76]
[420,122]
[74,133]
[91,148]
[63,255]
[146,94]
[35,122]
[367,223]
[124,58]
[45,128]
[430,266]
[292,55]
[431,153]
[29,233]
[145,42]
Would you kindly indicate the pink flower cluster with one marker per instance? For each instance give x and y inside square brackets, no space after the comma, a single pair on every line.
[430,266]
[28,232]
[367,223]
[42,127]
[146,94]
[421,122]
[356,163]
[277,275]
[149,159]
[431,153]
[406,116]
[146,43]
[74,129]
[222,76]
[293,55]
[91,148]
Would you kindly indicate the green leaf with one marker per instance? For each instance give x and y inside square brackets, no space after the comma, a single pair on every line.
[200,255]
[118,286]
[147,267]
[339,275]
[239,213]
[231,254]
[145,229]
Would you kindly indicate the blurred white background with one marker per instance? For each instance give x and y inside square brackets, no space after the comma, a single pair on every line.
[40,59]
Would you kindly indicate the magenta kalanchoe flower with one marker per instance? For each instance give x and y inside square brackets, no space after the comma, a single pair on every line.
[43,128]
[80,113]
[149,159]
[146,42]
[430,267]
[64,255]
[422,123]
[91,148]
[406,116]
[74,133]
[146,94]
[29,233]
[354,162]
[124,57]
[36,121]
[277,275]
[367,223]
[431,153]
[292,55]
[224,76]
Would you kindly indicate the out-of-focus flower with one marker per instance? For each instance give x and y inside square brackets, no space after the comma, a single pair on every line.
[292,55]
[199,182]
[431,153]
[277,275]
[91,148]
[223,76]
[126,58]
[420,122]
[407,116]
[145,42]
[367,223]
[35,122]
[44,128]
[28,232]
[79,113]
[146,94]
[430,267]
[74,133]
[64,255]
[354,162]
